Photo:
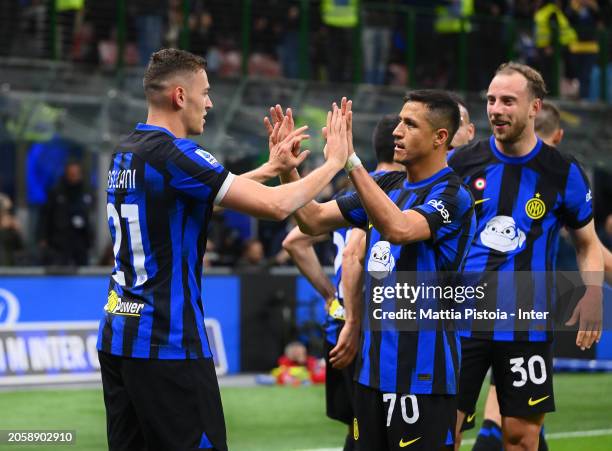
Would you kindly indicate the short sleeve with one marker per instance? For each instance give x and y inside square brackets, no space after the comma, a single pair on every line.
[197,173]
[445,208]
[352,210]
[577,210]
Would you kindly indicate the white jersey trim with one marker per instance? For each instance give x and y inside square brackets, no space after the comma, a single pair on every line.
[224,188]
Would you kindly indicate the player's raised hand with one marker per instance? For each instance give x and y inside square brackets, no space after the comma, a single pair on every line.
[279,126]
[346,106]
[281,155]
[589,312]
[336,149]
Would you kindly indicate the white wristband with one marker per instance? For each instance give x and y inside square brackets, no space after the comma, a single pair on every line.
[352,163]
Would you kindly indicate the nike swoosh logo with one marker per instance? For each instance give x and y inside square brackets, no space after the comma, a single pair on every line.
[533,402]
[404,444]
[470,418]
[481,201]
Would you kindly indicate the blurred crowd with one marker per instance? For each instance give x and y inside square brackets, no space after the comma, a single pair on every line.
[338,36]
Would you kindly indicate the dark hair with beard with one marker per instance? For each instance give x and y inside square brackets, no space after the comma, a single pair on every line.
[443,110]
[548,120]
[535,82]
[166,63]
[383,140]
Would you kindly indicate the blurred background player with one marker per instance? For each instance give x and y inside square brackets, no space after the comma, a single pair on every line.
[339,382]
[158,374]
[422,219]
[494,171]
[466,131]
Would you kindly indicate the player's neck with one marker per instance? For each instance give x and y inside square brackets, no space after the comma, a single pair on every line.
[389,167]
[520,147]
[172,123]
[423,169]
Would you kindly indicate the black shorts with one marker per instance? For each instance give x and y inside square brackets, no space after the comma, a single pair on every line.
[339,390]
[389,421]
[162,404]
[522,370]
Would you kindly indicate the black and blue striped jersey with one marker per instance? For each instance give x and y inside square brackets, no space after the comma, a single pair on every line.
[521,204]
[418,361]
[160,192]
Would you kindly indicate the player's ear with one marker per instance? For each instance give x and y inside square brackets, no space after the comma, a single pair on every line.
[440,137]
[536,106]
[558,136]
[178,97]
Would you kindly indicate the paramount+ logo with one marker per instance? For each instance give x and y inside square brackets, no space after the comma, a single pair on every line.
[118,306]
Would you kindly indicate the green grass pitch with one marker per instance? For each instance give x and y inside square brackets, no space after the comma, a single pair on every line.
[285,418]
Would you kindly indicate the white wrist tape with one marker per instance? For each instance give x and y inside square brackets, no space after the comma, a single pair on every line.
[352,163]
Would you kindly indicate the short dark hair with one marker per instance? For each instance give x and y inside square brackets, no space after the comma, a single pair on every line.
[168,62]
[443,109]
[535,83]
[548,120]
[383,140]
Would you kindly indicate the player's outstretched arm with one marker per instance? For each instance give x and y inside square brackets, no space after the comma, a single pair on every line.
[279,202]
[300,248]
[353,258]
[589,309]
[399,227]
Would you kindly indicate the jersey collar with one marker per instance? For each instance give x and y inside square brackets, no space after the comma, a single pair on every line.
[514,160]
[428,180]
[149,128]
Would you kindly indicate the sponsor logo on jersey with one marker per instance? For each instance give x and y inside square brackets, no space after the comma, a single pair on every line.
[381,261]
[535,207]
[502,234]
[118,306]
[588,196]
[439,205]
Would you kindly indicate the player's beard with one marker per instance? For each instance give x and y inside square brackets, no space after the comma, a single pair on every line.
[513,135]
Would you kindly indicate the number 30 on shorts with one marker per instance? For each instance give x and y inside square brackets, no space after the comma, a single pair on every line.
[414,407]
[529,373]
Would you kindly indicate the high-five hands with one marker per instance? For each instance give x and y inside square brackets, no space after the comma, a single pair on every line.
[284,141]
[336,149]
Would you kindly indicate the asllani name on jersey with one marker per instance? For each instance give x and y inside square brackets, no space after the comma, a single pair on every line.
[122,179]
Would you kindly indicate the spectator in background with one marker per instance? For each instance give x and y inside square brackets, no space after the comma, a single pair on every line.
[44,168]
[65,228]
[148,16]
[583,15]
[11,240]
[69,19]
[201,32]
[340,17]
[376,43]
[289,43]
[252,255]
[549,18]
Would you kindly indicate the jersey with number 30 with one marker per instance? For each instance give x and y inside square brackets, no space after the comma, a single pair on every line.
[161,190]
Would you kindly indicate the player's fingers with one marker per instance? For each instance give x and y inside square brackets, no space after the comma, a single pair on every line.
[324,132]
[349,106]
[297,132]
[302,156]
[274,135]
[328,122]
[580,339]
[273,115]
[268,125]
[343,105]
[279,112]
